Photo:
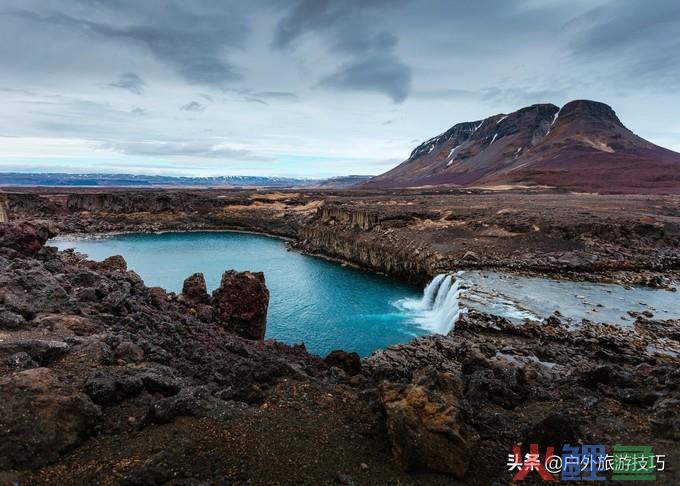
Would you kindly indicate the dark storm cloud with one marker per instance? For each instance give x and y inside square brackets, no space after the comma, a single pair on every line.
[642,38]
[380,74]
[195,42]
[348,28]
[193,106]
[129,81]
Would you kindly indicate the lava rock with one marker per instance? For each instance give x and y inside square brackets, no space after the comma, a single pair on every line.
[350,363]
[192,402]
[79,325]
[115,263]
[19,361]
[31,291]
[25,238]
[128,352]
[40,418]
[194,289]
[425,424]
[105,389]
[556,429]
[241,303]
[42,351]
[10,320]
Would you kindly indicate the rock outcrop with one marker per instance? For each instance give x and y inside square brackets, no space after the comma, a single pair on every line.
[241,303]
[40,418]
[426,426]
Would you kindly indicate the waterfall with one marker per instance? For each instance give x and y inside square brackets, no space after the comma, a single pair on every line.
[439,307]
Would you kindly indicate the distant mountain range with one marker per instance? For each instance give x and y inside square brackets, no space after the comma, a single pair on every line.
[129,180]
[582,146]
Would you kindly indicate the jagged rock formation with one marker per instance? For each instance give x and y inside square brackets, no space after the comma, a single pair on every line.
[425,423]
[408,235]
[105,381]
[582,146]
[240,303]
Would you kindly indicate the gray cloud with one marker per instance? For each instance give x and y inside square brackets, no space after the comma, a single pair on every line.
[193,106]
[640,39]
[384,74]
[262,97]
[348,28]
[203,149]
[304,81]
[194,42]
[129,81]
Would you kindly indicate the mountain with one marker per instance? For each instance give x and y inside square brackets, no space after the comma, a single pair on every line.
[131,180]
[582,146]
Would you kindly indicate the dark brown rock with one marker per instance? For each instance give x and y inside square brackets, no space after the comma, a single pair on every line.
[194,289]
[350,363]
[40,418]
[425,424]
[24,237]
[115,263]
[241,303]
[11,320]
[42,351]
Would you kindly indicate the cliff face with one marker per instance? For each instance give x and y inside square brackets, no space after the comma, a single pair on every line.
[406,235]
[104,380]
[3,209]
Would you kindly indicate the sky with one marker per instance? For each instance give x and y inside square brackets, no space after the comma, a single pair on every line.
[311,88]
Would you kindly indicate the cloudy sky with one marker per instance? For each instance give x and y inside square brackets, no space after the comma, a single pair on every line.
[312,87]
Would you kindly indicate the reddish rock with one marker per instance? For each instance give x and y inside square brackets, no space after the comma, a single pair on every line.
[425,424]
[194,289]
[115,263]
[24,237]
[241,302]
[350,363]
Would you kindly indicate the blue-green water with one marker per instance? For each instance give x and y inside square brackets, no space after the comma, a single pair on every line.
[323,304]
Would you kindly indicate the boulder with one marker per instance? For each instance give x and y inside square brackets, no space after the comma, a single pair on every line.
[25,238]
[17,362]
[241,302]
[425,424]
[105,389]
[42,351]
[31,291]
[115,263]
[193,402]
[40,418]
[350,363]
[79,325]
[194,289]
[11,320]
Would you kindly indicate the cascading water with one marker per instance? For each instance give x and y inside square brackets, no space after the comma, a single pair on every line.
[439,308]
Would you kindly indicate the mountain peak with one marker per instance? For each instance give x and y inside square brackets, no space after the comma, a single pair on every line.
[581,146]
[589,109]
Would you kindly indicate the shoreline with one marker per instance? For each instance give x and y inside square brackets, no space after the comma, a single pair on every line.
[293,244]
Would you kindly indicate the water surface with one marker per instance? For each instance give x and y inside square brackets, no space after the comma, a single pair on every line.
[321,303]
[329,306]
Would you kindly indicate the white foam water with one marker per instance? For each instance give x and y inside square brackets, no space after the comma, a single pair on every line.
[439,308]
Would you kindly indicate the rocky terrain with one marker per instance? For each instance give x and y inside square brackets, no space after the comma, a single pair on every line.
[582,146]
[404,234]
[106,381]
